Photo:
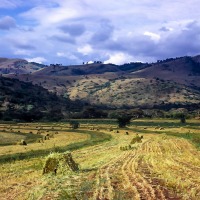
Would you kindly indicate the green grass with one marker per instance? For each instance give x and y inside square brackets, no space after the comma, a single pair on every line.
[95,138]
[97,121]
[165,124]
[14,137]
[193,137]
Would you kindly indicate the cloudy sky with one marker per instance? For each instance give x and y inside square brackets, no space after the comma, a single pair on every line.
[113,31]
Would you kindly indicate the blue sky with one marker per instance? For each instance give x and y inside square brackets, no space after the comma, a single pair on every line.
[113,31]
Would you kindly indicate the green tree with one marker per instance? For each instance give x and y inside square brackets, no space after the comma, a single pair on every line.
[123,120]
[74,124]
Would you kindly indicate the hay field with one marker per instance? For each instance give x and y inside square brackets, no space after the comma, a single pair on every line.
[162,166]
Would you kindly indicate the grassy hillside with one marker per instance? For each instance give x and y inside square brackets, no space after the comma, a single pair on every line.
[24,101]
[133,92]
[171,81]
[112,91]
[18,66]
[184,70]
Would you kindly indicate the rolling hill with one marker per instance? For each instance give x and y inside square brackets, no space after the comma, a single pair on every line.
[18,66]
[25,101]
[173,81]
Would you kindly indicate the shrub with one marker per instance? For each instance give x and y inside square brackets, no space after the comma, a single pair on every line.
[182,119]
[74,124]
[123,121]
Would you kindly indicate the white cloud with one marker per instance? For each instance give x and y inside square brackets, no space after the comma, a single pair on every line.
[60,54]
[85,50]
[117,31]
[21,52]
[119,58]
[67,55]
[49,16]
[153,36]
[8,4]
[36,59]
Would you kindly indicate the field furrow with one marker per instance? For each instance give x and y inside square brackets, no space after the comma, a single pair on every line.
[158,167]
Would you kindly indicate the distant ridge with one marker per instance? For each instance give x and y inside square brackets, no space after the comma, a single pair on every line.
[174,81]
[18,66]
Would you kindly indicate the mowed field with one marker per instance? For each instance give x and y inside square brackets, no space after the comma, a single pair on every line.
[164,164]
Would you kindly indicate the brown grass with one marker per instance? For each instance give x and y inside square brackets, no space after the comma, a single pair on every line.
[161,167]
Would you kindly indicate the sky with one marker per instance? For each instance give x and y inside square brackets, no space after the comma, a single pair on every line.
[112,31]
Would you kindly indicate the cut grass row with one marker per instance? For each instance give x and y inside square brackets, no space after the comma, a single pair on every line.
[28,137]
[95,138]
[193,137]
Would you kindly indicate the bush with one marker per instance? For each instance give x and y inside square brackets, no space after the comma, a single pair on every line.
[123,121]
[74,124]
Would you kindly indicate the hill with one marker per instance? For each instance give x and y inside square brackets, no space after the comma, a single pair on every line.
[88,69]
[18,66]
[184,70]
[76,70]
[171,82]
[24,101]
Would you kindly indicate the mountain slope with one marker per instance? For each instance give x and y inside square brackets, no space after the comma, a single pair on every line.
[18,66]
[20,100]
[134,92]
[77,70]
[184,70]
[171,81]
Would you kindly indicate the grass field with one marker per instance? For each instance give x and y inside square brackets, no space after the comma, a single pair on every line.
[164,165]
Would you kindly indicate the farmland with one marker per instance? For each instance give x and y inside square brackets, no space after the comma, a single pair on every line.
[164,164]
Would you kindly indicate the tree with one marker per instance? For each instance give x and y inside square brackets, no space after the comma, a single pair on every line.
[123,120]
[91,112]
[182,118]
[74,124]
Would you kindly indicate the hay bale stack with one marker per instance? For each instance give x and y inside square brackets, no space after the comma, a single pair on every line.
[22,142]
[110,129]
[125,148]
[51,135]
[38,132]
[137,138]
[40,140]
[63,162]
[46,137]
[51,165]
[69,160]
